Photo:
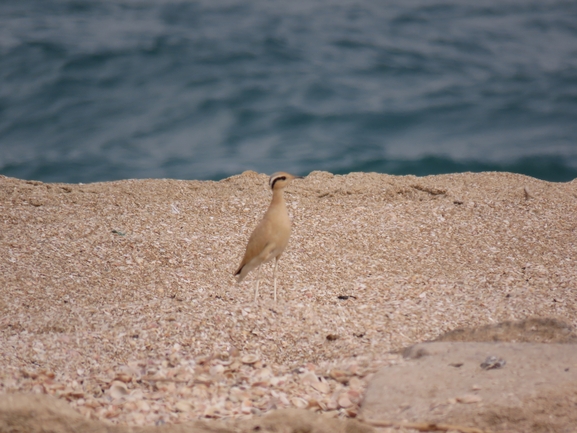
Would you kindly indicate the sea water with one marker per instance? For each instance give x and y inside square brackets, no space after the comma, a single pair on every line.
[95,90]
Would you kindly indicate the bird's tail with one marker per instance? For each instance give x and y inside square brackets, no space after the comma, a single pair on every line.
[239,274]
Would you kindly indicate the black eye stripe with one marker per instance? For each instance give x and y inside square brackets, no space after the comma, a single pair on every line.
[277,178]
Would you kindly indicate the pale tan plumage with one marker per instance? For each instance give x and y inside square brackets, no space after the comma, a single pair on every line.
[270,237]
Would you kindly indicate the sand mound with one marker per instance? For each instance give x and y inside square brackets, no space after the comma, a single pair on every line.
[118,297]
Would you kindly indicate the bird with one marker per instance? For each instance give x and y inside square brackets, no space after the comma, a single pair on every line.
[270,237]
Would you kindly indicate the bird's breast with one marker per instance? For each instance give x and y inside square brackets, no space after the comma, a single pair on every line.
[279,224]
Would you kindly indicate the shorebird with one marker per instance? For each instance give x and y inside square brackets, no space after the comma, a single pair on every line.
[270,237]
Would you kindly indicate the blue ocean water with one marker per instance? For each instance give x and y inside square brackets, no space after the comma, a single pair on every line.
[94,90]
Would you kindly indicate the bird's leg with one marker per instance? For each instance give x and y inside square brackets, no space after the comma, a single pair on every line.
[257,283]
[274,276]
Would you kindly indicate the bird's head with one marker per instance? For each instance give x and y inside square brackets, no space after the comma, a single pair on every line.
[281,179]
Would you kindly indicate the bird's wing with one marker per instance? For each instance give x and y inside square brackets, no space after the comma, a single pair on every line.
[257,242]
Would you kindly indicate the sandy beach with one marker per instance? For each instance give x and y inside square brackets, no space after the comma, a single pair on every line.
[119,297]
